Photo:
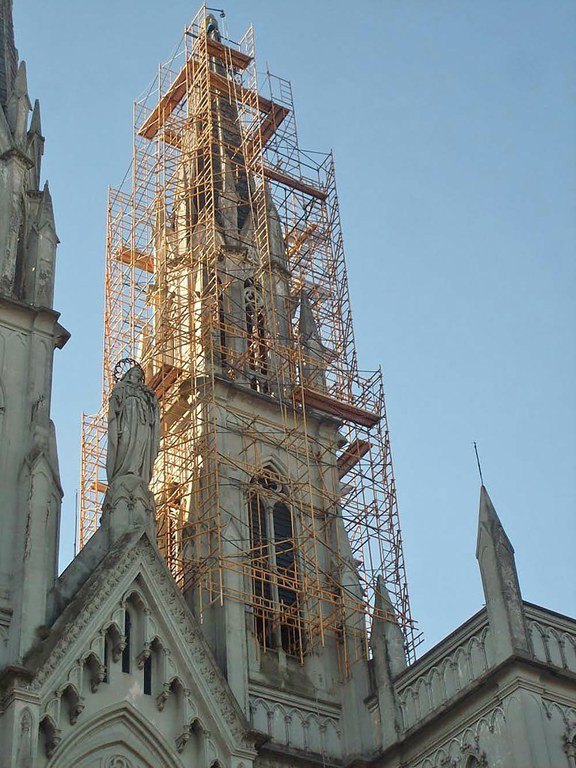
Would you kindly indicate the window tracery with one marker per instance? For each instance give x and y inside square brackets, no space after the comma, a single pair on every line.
[275,578]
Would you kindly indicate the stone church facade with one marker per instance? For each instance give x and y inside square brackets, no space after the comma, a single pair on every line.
[109,666]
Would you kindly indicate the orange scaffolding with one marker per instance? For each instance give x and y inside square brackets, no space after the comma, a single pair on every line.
[226,279]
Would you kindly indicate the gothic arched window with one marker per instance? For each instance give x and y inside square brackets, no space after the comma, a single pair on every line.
[275,578]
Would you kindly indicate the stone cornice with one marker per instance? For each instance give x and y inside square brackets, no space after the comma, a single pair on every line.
[26,317]
[558,620]
[282,753]
[330,708]
[15,153]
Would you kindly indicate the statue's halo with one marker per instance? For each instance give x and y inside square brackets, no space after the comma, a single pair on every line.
[123,366]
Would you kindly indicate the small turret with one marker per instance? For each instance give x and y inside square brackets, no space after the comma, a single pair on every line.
[495,556]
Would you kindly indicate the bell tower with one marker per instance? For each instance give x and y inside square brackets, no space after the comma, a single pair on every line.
[276,507]
[29,333]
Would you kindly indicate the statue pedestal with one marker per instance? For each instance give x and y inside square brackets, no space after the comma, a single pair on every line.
[128,504]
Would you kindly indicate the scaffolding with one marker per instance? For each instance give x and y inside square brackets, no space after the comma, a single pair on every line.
[226,280]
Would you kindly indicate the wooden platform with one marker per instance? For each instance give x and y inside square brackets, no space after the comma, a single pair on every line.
[134,257]
[345,411]
[351,456]
[226,54]
[174,95]
[164,378]
[290,181]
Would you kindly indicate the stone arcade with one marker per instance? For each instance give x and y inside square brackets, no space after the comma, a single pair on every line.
[107,665]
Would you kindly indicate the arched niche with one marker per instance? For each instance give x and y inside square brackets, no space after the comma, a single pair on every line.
[119,732]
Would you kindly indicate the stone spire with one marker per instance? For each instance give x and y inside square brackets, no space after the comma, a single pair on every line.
[495,556]
[8,52]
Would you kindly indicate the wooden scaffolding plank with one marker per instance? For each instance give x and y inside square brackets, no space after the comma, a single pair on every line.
[164,378]
[294,183]
[345,411]
[174,95]
[351,456]
[134,257]
[226,54]
[168,102]
[268,126]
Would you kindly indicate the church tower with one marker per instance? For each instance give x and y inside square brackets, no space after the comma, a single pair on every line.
[29,332]
[275,500]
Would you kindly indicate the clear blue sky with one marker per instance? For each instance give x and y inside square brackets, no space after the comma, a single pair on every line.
[453,125]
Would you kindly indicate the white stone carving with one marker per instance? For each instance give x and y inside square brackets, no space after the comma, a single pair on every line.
[24,757]
[133,428]
[98,592]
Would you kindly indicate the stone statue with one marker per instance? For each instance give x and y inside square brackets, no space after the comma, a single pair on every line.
[133,428]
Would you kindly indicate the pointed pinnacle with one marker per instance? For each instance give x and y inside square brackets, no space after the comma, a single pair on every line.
[36,123]
[308,326]
[382,601]
[46,208]
[46,212]
[21,83]
[489,521]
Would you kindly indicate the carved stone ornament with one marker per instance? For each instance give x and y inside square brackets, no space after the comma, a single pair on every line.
[117,761]
[118,648]
[163,696]
[52,736]
[182,740]
[98,594]
[24,757]
[570,746]
[143,656]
